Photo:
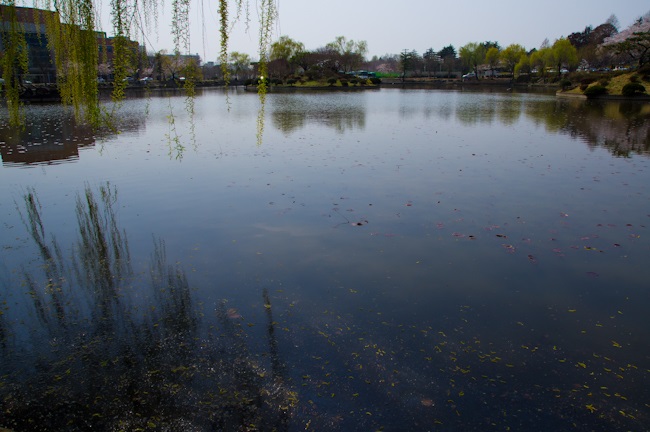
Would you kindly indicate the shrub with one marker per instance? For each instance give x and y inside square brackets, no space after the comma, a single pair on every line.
[375,81]
[291,81]
[565,84]
[603,82]
[595,90]
[344,83]
[633,89]
[523,78]
[353,81]
[332,81]
[634,78]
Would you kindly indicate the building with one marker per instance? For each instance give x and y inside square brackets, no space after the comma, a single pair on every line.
[32,22]
[41,68]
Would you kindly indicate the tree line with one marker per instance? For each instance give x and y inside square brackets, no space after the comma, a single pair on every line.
[600,47]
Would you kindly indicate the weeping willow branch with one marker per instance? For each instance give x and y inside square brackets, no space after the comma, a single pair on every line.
[223,30]
[14,60]
[71,30]
[268,14]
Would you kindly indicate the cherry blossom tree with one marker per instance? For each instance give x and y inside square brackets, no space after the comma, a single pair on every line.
[634,41]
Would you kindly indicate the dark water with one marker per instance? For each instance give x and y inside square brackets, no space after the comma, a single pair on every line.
[383,260]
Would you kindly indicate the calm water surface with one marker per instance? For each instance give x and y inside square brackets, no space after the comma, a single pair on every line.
[381,260]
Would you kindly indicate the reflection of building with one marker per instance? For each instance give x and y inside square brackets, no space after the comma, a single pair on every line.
[32,23]
[48,141]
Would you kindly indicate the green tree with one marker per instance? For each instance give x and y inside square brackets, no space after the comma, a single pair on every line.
[407,61]
[563,54]
[633,42]
[448,56]
[71,31]
[523,65]
[239,63]
[541,59]
[637,47]
[511,56]
[472,55]
[492,57]
[431,60]
[350,53]
[286,49]
[14,61]
[285,55]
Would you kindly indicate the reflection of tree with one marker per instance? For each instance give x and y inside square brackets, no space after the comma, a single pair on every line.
[293,113]
[94,359]
[472,112]
[623,127]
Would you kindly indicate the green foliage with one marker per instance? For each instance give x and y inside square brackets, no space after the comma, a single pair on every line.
[522,66]
[492,57]
[584,83]
[74,42]
[563,54]
[332,81]
[637,47]
[565,84]
[472,55]
[375,81]
[512,56]
[287,49]
[71,30]
[525,78]
[595,90]
[633,89]
[14,62]
[223,32]
[407,61]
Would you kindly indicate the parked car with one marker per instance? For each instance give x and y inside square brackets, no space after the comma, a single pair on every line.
[469,75]
[145,80]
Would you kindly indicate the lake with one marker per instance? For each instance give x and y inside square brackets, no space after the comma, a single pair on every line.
[365,260]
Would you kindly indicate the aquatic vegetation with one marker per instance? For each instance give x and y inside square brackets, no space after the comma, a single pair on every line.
[97,358]
[511,294]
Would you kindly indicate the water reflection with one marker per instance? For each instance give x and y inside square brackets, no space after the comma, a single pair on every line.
[51,134]
[290,112]
[110,351]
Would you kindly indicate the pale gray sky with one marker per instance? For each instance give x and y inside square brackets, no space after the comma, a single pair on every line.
[390,27]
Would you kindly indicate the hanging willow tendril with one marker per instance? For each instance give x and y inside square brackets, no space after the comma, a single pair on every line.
[223,31]
[268,13]
[74,37]
[14,61]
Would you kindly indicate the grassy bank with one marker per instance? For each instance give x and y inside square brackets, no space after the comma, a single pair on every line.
[618,85]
